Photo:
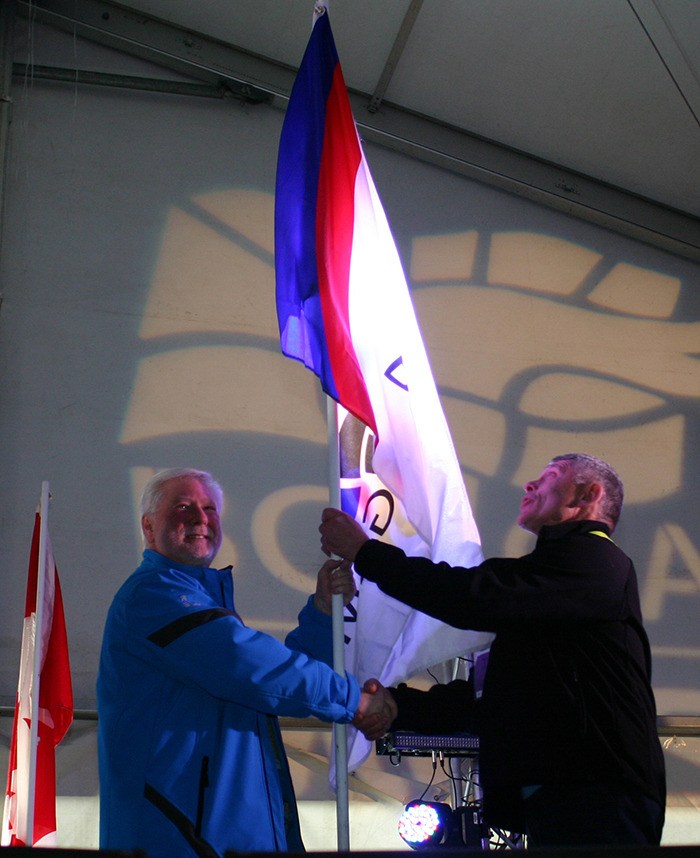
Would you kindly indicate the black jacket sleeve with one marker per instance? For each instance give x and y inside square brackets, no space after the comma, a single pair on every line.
[578,579]
[443,709]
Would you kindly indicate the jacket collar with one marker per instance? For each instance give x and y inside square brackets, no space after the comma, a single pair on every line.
[570,528]
[155,558]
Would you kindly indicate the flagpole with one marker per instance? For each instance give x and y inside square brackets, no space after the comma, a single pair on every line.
[340,730]
[38,653]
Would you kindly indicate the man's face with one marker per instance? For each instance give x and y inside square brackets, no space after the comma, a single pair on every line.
[550,499]
[185,526]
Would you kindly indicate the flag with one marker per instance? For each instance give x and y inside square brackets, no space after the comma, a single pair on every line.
[344,311]
[44,668]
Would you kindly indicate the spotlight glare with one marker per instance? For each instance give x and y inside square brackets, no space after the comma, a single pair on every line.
[425,823]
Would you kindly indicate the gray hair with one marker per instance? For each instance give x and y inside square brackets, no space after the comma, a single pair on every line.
[588,469]
[153,491]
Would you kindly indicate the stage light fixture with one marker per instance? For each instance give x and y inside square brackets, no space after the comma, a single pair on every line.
[425,824]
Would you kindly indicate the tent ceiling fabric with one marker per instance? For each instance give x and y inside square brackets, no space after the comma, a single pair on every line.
[608,89]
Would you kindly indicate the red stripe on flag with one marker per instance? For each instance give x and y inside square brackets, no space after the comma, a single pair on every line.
[340,160]
[55,708]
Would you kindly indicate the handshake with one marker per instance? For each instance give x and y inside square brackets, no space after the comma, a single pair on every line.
[376,712]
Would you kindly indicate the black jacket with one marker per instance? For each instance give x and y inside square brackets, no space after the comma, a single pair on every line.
[567,694]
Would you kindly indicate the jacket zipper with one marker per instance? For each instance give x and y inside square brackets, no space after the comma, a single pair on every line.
[203,784]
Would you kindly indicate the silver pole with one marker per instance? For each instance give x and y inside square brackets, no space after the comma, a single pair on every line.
[340,730]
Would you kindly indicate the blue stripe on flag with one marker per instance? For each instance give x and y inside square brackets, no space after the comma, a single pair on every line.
[302,334]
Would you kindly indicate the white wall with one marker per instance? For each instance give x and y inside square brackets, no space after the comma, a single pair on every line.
[138,331]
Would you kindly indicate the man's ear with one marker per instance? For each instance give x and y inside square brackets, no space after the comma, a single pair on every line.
[147,528]
[595,492]
[591,495]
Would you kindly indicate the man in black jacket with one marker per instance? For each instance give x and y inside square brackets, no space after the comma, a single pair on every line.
[569,752]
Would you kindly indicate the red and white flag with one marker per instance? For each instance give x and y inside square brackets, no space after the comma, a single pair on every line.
[44,705]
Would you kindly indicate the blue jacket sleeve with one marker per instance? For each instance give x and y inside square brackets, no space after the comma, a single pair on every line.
[178,627]
[313,635]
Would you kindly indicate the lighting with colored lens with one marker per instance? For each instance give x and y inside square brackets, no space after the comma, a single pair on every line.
[425,823]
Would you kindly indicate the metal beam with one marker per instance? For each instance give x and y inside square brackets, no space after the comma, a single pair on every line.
[188,53]
[7,28]
[666,725]
[669,49]
[207,59]
[397,49]
[218,89]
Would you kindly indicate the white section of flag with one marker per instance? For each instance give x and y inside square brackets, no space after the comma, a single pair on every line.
[415,459]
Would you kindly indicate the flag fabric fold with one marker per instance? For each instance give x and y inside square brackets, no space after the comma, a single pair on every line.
[30,799]
[345,311]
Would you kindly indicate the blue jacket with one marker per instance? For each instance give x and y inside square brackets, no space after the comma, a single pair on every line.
[190,754]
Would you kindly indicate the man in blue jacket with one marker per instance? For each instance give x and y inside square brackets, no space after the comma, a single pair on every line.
[191,760]
[569,752]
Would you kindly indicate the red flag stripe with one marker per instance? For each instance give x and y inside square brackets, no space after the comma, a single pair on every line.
[55,708]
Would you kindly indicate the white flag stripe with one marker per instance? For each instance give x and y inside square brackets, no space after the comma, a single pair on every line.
[415,459]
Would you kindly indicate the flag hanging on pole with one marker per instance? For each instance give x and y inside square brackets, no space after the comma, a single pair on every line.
[44,704]
[345,311]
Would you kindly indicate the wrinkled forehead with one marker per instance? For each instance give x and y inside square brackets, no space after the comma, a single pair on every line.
[188,488]
[561,468]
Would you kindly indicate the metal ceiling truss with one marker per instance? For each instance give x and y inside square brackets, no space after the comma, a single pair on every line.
[225,70]
[7,18]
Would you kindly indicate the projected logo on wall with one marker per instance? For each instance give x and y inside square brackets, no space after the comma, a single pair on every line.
[538,346]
